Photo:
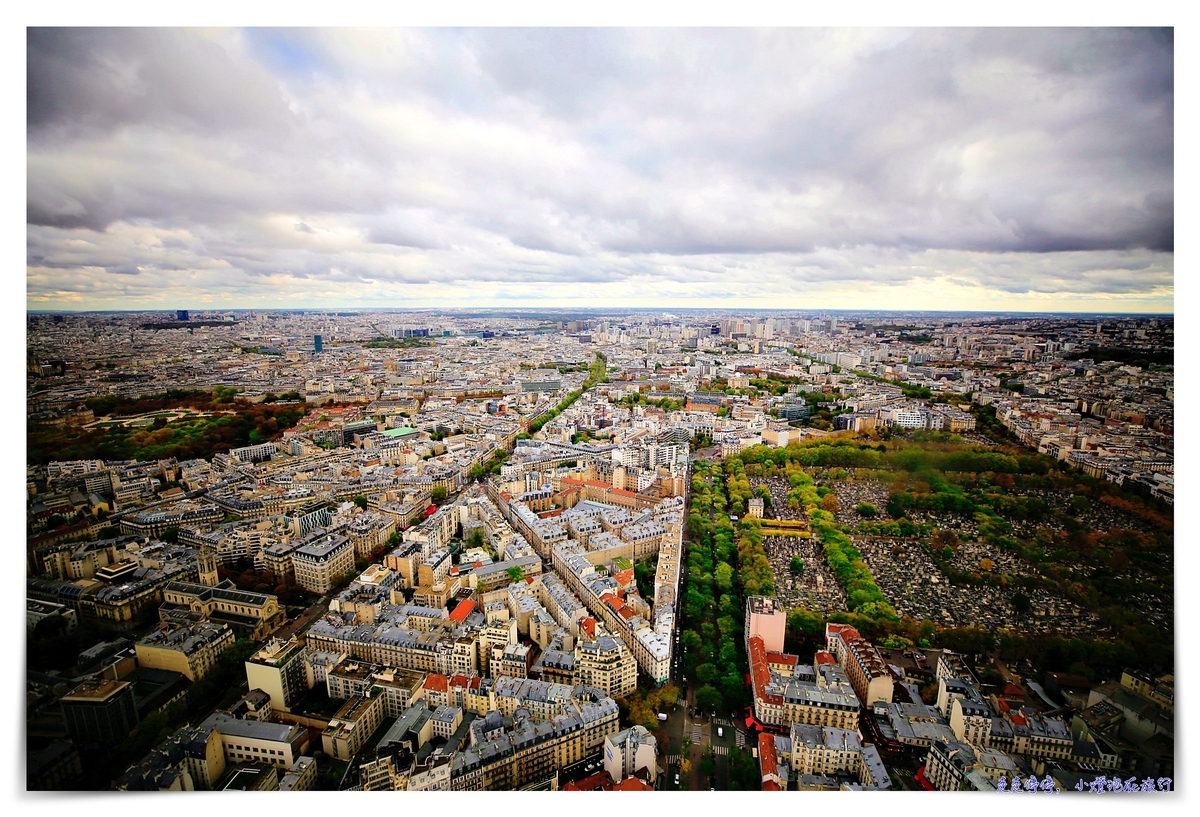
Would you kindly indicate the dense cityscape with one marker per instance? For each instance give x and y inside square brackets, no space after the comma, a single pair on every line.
[691,407]
[599,550]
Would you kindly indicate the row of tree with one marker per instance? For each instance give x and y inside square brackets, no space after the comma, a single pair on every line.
[599,374]
[712,602]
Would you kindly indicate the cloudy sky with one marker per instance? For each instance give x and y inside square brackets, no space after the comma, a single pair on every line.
[1019,169]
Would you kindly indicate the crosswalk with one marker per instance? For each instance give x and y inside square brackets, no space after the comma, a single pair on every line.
[741,739]
[672,759]
[720,750]
[695,733]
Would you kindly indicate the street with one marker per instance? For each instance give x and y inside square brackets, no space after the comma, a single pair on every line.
[311,613]
[702,733]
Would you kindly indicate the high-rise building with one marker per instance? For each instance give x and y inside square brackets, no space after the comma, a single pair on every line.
[181,314]
[317,347]
[766,618]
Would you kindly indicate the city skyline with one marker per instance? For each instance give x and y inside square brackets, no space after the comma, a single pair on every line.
[1007,170]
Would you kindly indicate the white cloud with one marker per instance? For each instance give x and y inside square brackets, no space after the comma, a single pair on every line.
[902,169]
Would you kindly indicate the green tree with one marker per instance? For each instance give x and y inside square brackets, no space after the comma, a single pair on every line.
[723,577]
[438,493]
[361,501]
[515,573]
[709,699]
[796,566]
[707,673]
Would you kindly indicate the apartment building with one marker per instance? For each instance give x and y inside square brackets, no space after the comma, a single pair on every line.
[192,759]
[953,766]
[320,564]
[820,695]
[521,751]
[352,726]
[824,751]
[369,531]
[511,660]
[445,720]
[278,669]
[605,664]
[397,688]
[631,752]
[190,649]
[868,673]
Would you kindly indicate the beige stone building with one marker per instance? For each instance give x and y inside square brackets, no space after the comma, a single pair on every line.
[189,649]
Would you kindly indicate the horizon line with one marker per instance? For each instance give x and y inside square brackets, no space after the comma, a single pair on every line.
[171,310]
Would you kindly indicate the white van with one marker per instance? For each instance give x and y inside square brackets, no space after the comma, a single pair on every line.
[720,732]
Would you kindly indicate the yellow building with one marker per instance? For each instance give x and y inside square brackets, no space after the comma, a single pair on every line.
[189,649]
[350,728]
[278,670]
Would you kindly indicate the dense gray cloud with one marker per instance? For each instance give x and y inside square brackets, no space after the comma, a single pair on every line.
[270,167]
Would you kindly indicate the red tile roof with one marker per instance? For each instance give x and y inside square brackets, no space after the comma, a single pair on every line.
[845,630]
[767,760]
[632,784]
[760,674]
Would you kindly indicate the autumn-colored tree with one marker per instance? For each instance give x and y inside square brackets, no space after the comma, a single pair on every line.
[985,564]
[830,503]
[944,539]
